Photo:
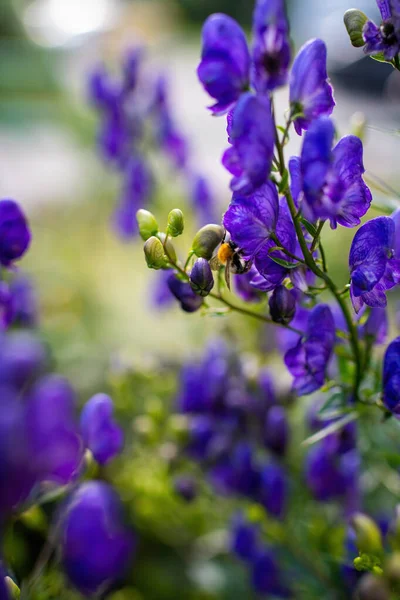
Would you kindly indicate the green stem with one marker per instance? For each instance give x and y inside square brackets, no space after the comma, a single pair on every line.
[317,236]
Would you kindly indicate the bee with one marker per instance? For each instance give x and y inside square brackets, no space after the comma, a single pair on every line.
[230,255]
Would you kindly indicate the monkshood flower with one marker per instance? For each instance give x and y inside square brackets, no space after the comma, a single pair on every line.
[308,360]
[5,305]
[282,305]
[225,61]
[101,434]
[391,376]
[22,359]
[189,300]
[96,545]
[201,277]
[376,325]
[137,191]
[384,39]
[103,92]
[273,490]
[271,45]
[266,575]
[203,201]
[332,179]
[311,94]
[276,437]
[244,538]
[243,286]
[251,133]
[373,269]
[18,303]
[15,235]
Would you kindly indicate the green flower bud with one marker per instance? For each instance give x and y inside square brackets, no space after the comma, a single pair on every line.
[368,536]
[169,247]
[154,253]
[175,222]
[207,239]
[147,223]
[354,21]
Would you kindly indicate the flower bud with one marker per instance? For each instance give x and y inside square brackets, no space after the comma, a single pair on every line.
[371,587]
[154,253]
[201,277]
[169,247]
[207,239]
[190,302]
[368,536]
[147,224]
[354,21]
[175,222]
[100,433]
[282,305]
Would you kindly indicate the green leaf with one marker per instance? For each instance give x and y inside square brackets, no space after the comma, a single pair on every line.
[284,263]
[336,426]
[354,21]
[309,226]
[379,57]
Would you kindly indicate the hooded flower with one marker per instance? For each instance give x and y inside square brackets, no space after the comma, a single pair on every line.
[384,39]
[225,61]
[373,268]
[271,47]
[308,360]
[274,490]
[332,179]
[391,376]
[310,92]
[244,538]
[15,235]
[100,432]
[190,302]
[251,133]
[266,575]
[376,325]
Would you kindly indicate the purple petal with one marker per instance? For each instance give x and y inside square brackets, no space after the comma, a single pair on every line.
[100,433]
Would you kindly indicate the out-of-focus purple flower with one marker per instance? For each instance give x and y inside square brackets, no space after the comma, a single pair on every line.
[332,179]
[244,288]
[22,359]
[311,94]
[266,576]
[251,220]
[101,434]
[189,301]
[273,490]
[15,235]
[287,339]
[103,92]
[225,61]
[282,305]
[96,545]
[266,385]
[373,269]
[52,432]
[376,325]
[308,360]
[251,134]
[137,190]
[237,473]
[384,39]
[24,303]
[201,277]
[114,138]
[6,315]
[130,68]
[391,376]
[160,294]
[204,202]
[200,435]
[276,431]
[244,538]
[186,487]
[271,47]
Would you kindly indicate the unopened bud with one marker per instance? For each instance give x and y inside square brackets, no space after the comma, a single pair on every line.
[354,21]
[169,247]
[372,588]
[282,305]
[207,239]
[182,291]
[147,224]
[154,253]
[175,222]
[201,277]
[368,536]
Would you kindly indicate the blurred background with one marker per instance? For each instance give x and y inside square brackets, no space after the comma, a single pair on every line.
[95,292]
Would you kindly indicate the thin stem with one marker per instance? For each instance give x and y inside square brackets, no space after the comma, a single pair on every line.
[315,241]
[188,261]
[283,249]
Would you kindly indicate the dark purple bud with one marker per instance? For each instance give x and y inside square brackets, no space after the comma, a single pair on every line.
[391,376]
[225,61]
[15,235]
[266,576]
[274,490]
[96,545]
[244,538]
[276,432]
[186,487]
[201,277]
[190,302]
[282,305]
[101,434]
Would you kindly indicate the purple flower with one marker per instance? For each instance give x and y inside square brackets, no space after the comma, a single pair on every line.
[237,473]
[310,93]
[96,545]
[271,47]
[201,277]
[331,474]
[204,202]
[373,269]
[103,92]
[391,376]
[101,434]
[161,296]
[24,303]
[137,190]
[22,359]
[189,301]
[15,235]
[225,61]
[251,134]
[384,39]
[273,490]
[332,179]
[276,430]
[266,576]
[130,67]
[244,538]
[251,220]
[244,288]
[308,360]
[6,314]
[282,305]
[114,138]
[376,325]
